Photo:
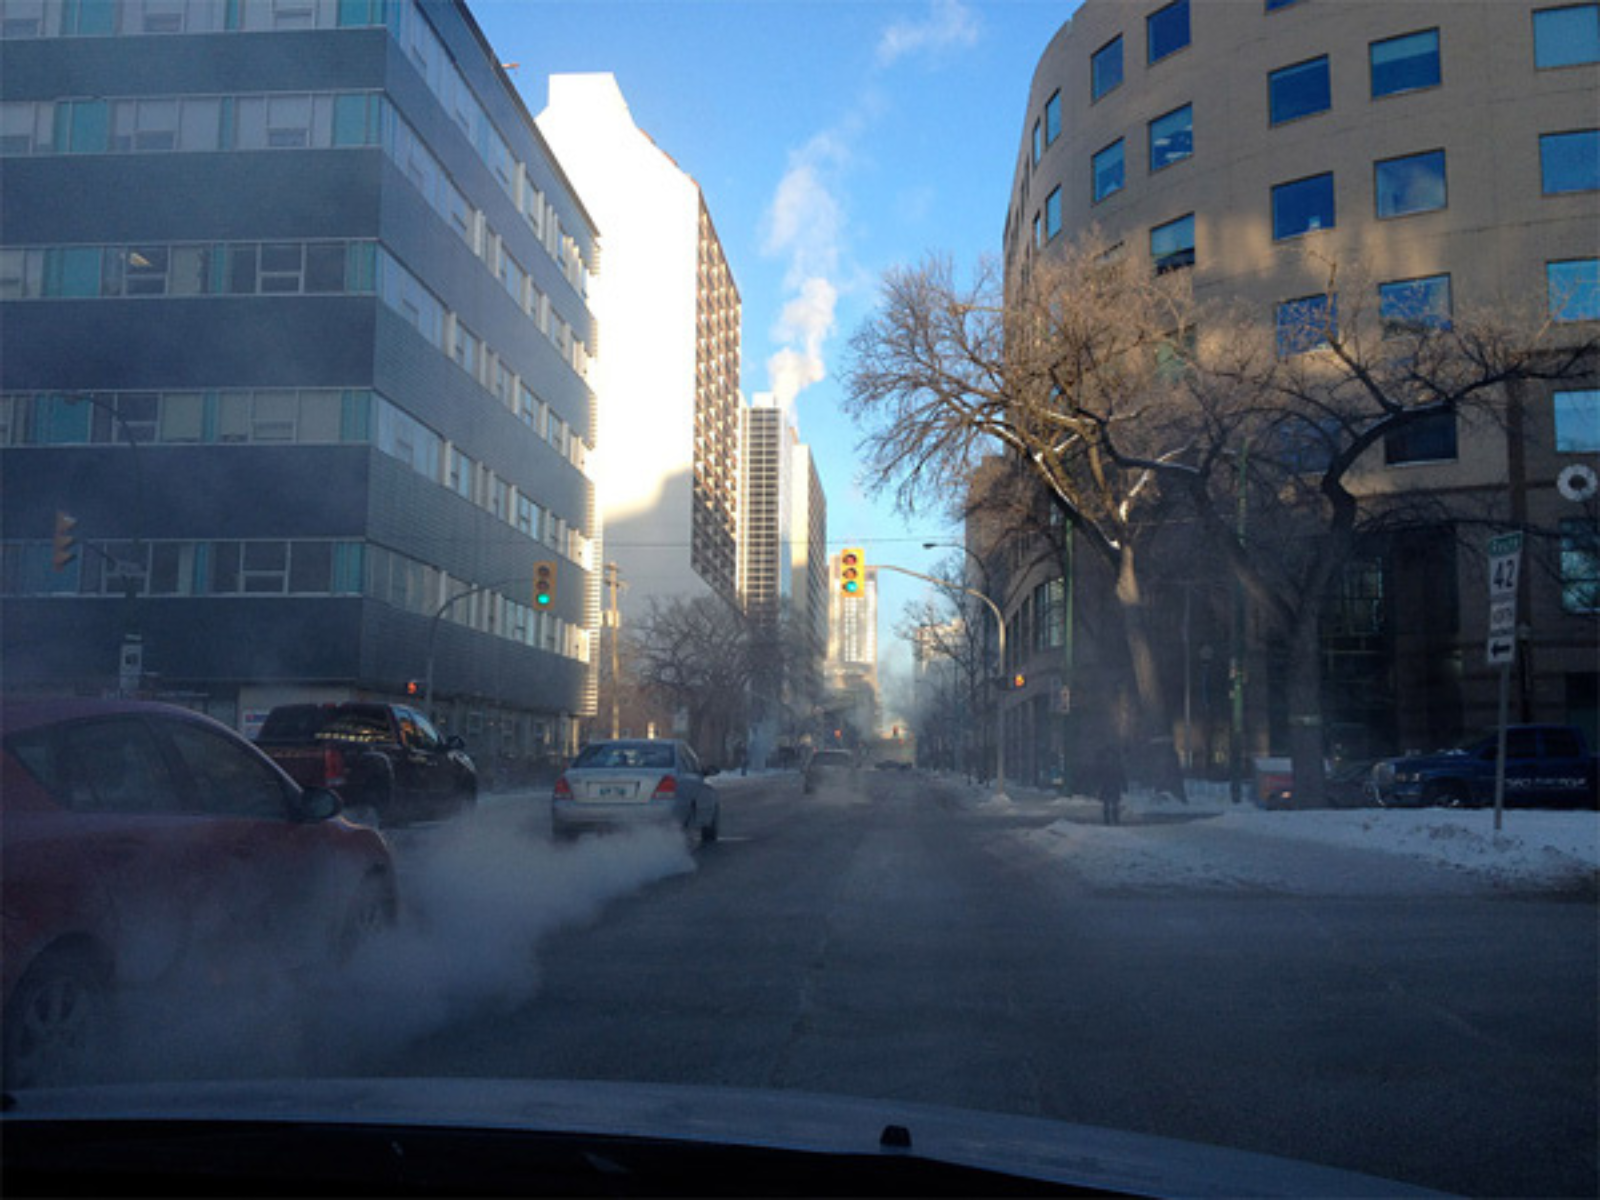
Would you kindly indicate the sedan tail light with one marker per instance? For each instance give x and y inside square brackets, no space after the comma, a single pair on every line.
[332,767]
[563,789]
[666,789]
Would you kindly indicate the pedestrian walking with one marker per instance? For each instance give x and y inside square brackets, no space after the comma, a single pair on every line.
[1111,782]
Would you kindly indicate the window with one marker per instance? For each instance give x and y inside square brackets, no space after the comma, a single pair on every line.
[1038,142]
[1570,162]
[1107,170]
[1304,324]
[111,766]
[1052,214]
[459,479]
[282,267]
[1302,206]
[1565,37]
[1172,137]
[1428,439]
[228,781]
[1167,30]
[1578,421]
[1298,91]
[1052,119]
[1105,68]
[1412,184]
[1574,289]
[1580,565]
[1275,5]
[264,567]
[1407,305]
[1405,64]
[1172,244]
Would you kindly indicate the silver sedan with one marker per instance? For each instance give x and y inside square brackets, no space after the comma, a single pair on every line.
[636,781]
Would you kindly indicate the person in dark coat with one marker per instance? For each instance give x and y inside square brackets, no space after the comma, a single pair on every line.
[1110,781]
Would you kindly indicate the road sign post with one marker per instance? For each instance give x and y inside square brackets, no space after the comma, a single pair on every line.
[1505,565]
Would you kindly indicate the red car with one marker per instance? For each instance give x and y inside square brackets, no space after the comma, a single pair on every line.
[140,840]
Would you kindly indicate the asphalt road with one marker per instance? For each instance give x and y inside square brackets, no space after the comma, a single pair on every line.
[889,942]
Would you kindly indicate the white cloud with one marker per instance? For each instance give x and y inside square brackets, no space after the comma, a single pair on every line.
[948,24]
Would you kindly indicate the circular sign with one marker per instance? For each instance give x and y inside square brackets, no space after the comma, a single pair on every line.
[1578,482]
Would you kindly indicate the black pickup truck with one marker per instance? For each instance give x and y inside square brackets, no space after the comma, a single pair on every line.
[1547,766]
[386,761]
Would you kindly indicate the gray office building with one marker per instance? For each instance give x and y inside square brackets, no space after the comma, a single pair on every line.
[294,343]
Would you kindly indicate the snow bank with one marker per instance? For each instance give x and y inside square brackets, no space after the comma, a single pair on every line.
[1213,844]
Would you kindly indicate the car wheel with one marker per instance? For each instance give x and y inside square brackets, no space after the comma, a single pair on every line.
[693,835]
[1449,795]
[370,912]
[710,833]
[56,1021]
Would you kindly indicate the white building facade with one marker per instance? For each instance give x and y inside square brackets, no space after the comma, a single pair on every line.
[667,460]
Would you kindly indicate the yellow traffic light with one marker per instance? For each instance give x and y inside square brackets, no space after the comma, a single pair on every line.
[66,543]
[544,584]
[852,570]
[1019,680]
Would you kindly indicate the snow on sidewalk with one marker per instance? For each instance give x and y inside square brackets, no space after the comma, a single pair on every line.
[1364,851]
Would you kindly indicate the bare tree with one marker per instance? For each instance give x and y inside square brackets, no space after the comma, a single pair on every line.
[955,631]
[1132,406]
[1289,421]
[696,655]
[1072,375]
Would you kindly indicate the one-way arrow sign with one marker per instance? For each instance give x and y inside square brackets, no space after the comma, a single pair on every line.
[1505,561]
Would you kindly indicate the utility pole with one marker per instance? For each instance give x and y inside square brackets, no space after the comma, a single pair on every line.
[613,578]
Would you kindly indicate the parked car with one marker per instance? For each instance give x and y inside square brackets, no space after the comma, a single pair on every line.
[138,840]
[387,761]
[829,766]
[1348,785]
[1546,766]
[636,781]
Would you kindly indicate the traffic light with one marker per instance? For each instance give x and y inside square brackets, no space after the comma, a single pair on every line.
[544,584]
[1019,680]
[66,544]
[852,571]
[413,688]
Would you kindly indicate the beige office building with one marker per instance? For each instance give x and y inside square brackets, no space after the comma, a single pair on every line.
[1447,156]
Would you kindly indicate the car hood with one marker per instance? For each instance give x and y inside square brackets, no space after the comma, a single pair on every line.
[778,1121]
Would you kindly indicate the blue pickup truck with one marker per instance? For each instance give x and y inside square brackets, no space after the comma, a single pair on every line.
[1547,766]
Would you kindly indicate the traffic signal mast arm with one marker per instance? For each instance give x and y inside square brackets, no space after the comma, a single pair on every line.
[433,625]
[999,620]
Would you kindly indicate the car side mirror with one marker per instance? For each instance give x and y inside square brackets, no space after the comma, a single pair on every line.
[316,804]
[710,771]
[455,742]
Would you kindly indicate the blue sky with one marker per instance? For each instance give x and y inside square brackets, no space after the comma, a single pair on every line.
[832,139]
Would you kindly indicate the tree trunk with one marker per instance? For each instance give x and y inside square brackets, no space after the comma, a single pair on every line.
[1156,750]
[1304,692]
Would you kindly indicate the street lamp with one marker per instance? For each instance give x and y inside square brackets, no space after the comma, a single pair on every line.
[1000,625]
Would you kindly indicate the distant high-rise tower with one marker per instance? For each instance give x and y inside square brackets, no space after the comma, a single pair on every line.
[667,461]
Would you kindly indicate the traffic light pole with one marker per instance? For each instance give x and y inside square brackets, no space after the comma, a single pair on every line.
[1000,624]
[433,633]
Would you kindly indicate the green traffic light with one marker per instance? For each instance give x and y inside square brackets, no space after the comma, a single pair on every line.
[543,599]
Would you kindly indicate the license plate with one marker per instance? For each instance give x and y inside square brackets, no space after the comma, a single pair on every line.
[615,789]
